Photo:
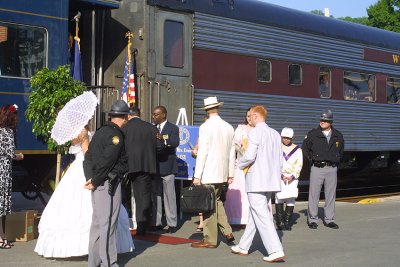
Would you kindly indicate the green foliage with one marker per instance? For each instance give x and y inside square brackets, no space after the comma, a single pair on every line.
[317,12]
[385,14]
[51,90]
[361,20]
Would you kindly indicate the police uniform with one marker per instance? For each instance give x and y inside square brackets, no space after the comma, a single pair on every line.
[324,153]
[104,163]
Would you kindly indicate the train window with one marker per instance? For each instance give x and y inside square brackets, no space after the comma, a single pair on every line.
[263,70]
[295,75]
[324,82]
[22,50]
[393,90]
[359,86]
[173,44]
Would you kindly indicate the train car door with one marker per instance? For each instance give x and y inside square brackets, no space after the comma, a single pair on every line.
[172,86]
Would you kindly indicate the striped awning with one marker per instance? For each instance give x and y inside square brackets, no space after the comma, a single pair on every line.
[103,3]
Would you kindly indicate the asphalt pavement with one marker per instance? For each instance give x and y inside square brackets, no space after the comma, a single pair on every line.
[369,235]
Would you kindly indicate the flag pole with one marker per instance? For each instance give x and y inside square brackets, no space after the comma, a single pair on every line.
[130,36]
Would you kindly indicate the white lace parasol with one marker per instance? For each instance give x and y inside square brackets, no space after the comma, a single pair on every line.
[73,117]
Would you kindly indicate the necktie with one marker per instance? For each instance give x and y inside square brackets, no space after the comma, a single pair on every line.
[159,128]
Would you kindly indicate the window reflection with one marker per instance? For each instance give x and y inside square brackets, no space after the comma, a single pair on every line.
[22,50]
[295,74]
[173,44]
[393,90]
[263,70]
[324,82]
[359,86]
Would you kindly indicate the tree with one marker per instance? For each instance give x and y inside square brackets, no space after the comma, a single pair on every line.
[385,14]
[50,91]
[360,20]
[317,12]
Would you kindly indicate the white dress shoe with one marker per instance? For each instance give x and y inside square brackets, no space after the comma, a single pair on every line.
[275,257]
[237,250]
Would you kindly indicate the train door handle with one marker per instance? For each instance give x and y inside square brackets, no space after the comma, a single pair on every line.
[150,97]
[158,93]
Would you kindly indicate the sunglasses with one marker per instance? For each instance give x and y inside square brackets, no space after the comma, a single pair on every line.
[325,121]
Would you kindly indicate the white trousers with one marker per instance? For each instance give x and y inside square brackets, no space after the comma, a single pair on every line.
[260,218]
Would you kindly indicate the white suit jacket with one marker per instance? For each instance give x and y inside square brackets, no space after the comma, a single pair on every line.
[264,156]
[215,160]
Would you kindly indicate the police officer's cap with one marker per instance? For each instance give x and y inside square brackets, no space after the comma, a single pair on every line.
[327,115]
[119,108]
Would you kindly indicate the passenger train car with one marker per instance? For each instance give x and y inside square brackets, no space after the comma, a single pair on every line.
[245,52]
[297,64]
[34,35]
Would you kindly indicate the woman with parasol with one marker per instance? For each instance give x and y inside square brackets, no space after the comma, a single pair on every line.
[65,223]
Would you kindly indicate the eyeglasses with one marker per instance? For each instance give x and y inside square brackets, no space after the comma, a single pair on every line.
[325,121]
[288,138]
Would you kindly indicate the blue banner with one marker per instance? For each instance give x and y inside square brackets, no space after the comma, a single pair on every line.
[77,69]
[188,137]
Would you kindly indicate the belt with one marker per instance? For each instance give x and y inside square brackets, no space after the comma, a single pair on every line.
[321,164]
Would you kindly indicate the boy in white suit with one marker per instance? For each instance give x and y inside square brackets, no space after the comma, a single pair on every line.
[264,159]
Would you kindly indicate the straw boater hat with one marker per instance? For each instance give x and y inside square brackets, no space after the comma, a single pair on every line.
[211,102]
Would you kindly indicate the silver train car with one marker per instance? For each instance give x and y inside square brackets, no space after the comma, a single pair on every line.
[248,52]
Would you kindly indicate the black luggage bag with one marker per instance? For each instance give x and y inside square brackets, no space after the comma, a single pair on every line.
[198,199]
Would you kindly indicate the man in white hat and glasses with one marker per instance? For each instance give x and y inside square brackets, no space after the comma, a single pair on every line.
[214,166]
[104,165]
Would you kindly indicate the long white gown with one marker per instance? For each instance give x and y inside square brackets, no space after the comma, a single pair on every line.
[65,223]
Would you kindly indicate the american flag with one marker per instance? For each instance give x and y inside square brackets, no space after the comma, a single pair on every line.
[128,83]
[3,34]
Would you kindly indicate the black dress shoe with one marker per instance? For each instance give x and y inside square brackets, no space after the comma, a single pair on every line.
[313,225]
[230,238]
[156,228]
[140,232]
[332,225]
[171,229]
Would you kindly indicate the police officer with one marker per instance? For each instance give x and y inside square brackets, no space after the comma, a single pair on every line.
[105,162]
[323,147]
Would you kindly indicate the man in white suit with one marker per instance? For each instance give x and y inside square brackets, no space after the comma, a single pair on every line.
[215,165]
[263,157]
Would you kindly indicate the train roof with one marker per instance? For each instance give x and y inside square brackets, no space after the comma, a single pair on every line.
[274,15]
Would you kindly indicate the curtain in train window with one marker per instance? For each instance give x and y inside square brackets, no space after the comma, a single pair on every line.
[393,90]
[359,86]
[295,74]
[324,82]
[22,50]
[173,44]
[263,70]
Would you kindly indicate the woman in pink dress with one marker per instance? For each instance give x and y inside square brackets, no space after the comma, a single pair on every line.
[236,204]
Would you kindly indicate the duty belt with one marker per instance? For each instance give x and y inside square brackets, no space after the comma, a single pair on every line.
[321,164]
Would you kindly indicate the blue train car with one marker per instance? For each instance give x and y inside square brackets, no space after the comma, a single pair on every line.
[34,35]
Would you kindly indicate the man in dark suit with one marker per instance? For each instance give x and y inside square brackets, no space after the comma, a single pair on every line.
[140,146]
[164,183]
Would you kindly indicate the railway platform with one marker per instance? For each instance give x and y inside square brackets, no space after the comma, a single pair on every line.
[368,236]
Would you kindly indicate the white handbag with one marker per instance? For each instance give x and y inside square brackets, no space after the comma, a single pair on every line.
[288,191]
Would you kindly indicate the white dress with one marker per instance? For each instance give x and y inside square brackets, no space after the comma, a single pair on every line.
[236,203]
[65,223]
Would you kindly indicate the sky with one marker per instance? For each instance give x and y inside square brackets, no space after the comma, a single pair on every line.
[337,8]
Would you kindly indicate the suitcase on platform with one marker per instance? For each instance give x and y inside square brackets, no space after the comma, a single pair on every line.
[197,199]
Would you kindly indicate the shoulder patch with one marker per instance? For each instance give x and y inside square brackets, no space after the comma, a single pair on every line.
[115,140]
